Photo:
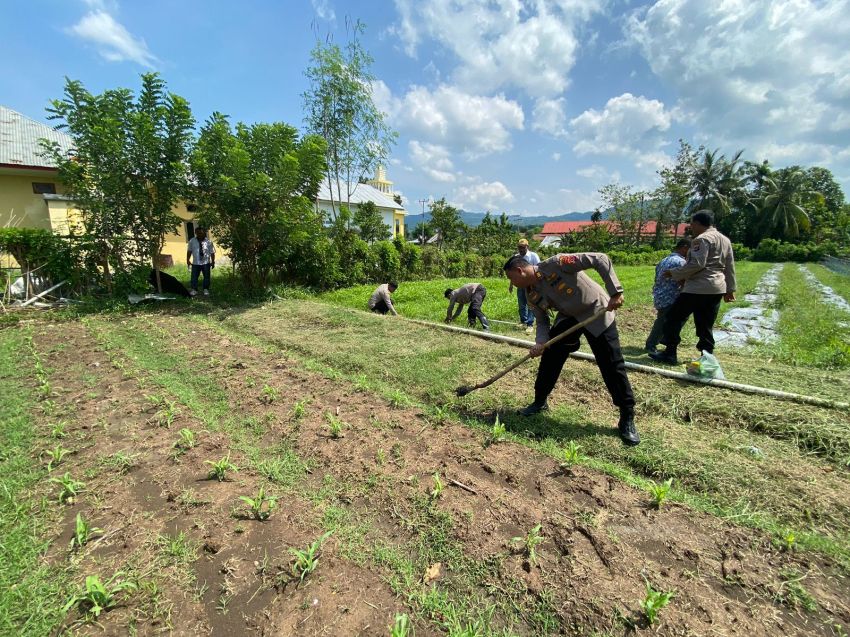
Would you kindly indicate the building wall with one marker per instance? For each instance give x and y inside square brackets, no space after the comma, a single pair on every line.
[389,216]
[19,206]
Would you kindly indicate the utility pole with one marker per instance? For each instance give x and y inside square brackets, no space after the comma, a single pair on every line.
[422,237]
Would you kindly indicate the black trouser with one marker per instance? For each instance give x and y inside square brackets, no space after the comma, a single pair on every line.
[381,307]
[704,307]
[474,311]
[609,359]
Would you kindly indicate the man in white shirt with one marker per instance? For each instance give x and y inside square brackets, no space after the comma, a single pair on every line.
[200,258]
[380,300]
[526,316]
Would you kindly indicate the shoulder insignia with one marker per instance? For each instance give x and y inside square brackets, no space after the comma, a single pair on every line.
[552,277]
[567,259]
[569,290]
[538,274]
[561,286]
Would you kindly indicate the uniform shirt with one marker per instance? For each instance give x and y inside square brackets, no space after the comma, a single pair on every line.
[561,286]
[461,296]
[710,268]
[202,251]
[666,291]
[382,292]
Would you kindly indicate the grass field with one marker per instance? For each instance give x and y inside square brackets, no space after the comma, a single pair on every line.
[416,505]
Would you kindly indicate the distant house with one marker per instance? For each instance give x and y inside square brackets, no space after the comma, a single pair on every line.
[378,190]
[554,230]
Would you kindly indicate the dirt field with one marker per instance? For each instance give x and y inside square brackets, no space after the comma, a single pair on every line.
[122,390]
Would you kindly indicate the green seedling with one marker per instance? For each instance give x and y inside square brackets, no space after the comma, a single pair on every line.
[440,415]
[381,457]
[298,410]
[437,491]
[97,597]
[335,425]
[56,454]
[220,468]
[178,547]
[69,488]
[82,532]
[654,601]
[398,399]
[307,560]
[789,541]
[58,430]
[187,440]
[660,492]
[268,395]
[570,455]
[402,626]
[120,461]
[165,417]
[530,542]
[258,503]
[792,593]
[497,433]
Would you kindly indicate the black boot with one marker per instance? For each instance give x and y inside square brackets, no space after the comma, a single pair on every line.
[534,408]
[628,432]
[668,356]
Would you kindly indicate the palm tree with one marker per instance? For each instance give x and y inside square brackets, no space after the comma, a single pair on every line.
[716,183]
[781,213]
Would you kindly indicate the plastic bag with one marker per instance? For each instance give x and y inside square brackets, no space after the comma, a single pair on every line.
[706,366]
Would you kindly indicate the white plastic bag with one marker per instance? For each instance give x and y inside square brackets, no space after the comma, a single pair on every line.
[706,366]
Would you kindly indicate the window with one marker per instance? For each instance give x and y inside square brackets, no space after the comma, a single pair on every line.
[190,230]
[397,228]
[191,207]
[40,188]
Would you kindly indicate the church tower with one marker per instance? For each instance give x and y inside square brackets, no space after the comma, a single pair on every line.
[380,181]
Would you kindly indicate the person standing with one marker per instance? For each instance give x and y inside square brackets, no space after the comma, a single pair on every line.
[559,284]
[380,300]
[472,293]
[709,277]
[200,258]
[665,291]
[526,317]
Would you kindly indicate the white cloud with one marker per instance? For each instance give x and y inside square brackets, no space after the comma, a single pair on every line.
[575,200]
[765,76]
[434,160]
[528,44]
[474,125]
[598,174]
[111,38]
[556,156]
[628,126]
[324,10]
[482,196]
[548,116]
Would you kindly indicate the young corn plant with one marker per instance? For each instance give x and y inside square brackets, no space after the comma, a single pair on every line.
[58,430]
[55,456]
[398,399]
[307,560]
[660,492]
[268,395]
[298,410]
[97,597]
[187,440]
[654,601]
[219,468]
[167,414]
[83,532]
[261,505]
[402,626]
[789,541]
[570,456]
[497,433]
[530,542]
[437,491]
[68,487]
[335,425]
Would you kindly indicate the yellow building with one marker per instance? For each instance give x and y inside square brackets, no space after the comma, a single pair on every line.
[378,190]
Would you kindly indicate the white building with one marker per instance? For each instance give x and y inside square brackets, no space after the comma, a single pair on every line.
[378,190]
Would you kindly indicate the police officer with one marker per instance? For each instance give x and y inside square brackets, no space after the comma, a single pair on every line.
[709,276]
[559,284]
[472,293]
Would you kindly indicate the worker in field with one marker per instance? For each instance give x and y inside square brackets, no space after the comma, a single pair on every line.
[380,300]
[472,294]
[665,291]
[526,317]
[709,277]
[560,284]
[200,259]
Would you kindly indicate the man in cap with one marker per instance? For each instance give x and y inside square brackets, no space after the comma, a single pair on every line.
[560,284]
[709,277]
[526,317]
[473,294]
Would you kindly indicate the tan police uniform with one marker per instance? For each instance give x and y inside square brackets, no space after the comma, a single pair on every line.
[380,300]
[473,294]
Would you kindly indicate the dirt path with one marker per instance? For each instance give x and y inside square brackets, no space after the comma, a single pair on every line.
[603,540]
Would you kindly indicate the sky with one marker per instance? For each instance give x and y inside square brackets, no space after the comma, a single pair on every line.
[518,106]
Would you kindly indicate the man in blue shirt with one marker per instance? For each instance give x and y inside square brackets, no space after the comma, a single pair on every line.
[665,291]
[526,317]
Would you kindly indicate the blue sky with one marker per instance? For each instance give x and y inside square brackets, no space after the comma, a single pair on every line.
[524,106]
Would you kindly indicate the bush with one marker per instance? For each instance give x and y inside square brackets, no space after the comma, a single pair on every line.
[33,248]
[384,263]
[772,250]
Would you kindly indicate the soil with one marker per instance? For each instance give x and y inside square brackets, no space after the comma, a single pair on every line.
[603,540]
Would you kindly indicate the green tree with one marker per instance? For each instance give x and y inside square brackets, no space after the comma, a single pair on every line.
[445,221]
[127,168]
[825,212]
[630,210]
[672,195]
[716,184]
[338,106]
[781,211]
[256,186]
[370,223]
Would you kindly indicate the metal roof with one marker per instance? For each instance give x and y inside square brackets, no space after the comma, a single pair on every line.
[19,137]
[362,193]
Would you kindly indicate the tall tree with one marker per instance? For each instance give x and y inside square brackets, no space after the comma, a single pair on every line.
[716,184]
[630,210]
[446,222]
[672,195]
[370,223]
[339,107]
[127,168]
[256,186]
[781,213]
[825,212]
